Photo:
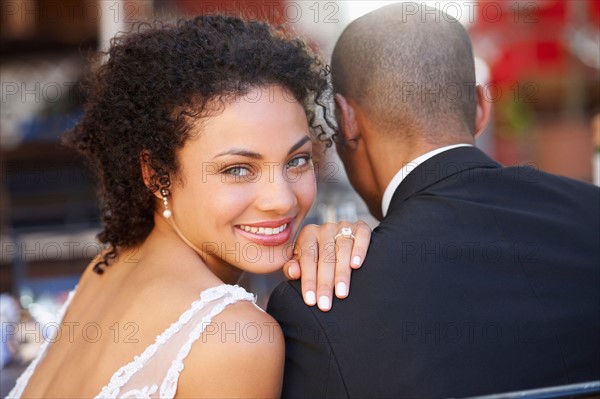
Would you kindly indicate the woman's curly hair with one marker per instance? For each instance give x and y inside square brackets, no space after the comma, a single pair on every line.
[141,101]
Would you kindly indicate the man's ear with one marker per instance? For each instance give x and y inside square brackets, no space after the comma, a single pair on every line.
[484,108]
[148,173]
[347,123]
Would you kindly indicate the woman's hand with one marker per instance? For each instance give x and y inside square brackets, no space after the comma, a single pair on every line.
[323,261]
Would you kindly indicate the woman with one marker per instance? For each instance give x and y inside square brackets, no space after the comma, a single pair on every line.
[202,136]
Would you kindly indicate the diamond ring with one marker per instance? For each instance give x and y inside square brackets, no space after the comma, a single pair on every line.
[345,232]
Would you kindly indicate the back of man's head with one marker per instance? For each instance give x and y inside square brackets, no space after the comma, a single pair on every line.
[410,68]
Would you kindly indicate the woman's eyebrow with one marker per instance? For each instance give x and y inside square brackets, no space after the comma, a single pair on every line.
[242,152]
[299,144]
[255,155]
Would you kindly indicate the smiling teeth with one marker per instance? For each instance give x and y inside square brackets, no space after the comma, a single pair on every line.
[264,230]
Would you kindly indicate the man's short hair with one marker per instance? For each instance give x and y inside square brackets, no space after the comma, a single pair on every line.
[408,66]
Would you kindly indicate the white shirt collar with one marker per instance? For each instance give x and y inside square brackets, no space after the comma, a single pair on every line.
[406,169]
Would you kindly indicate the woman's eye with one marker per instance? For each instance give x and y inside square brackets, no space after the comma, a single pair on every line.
[239,171]
[299,162]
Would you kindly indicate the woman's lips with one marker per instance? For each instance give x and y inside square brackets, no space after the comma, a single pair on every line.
[271,233]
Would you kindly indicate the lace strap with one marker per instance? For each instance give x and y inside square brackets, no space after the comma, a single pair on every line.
[169,385]
[227,294]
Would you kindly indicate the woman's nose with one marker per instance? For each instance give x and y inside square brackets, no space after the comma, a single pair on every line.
[276,192]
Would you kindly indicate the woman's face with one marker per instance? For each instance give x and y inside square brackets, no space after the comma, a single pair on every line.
[246,182]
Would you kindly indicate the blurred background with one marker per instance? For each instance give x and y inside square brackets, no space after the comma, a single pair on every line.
[539,61]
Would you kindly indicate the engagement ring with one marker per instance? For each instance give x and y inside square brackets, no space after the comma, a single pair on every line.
[346,232]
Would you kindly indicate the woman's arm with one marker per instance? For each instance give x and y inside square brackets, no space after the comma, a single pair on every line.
[240,355]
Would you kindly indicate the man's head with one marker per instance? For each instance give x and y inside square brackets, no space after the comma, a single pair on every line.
[404,78]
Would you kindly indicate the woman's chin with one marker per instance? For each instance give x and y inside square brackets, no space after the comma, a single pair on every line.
[268,261]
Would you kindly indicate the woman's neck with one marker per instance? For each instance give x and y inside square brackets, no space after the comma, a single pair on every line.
[166,236]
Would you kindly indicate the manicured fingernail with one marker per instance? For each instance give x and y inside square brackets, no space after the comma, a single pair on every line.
[310,298]
[356,260]
[324,303]
[290,272]
[341,289]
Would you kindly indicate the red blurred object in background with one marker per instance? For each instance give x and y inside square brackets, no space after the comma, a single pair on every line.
[529,35]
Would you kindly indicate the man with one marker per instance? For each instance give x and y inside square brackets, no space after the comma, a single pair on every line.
[480,278]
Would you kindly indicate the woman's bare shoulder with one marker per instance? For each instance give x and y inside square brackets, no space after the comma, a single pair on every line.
[240,354]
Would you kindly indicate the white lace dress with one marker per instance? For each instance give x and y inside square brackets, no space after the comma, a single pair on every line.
[155,372]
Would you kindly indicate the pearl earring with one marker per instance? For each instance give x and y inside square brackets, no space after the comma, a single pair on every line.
[167,212]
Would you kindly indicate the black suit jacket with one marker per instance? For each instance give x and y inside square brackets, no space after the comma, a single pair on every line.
[481,279]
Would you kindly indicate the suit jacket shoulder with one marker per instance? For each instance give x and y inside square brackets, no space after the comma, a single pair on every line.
[311,369]
[481,279]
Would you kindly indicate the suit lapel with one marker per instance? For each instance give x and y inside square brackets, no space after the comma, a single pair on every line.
[440,167]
